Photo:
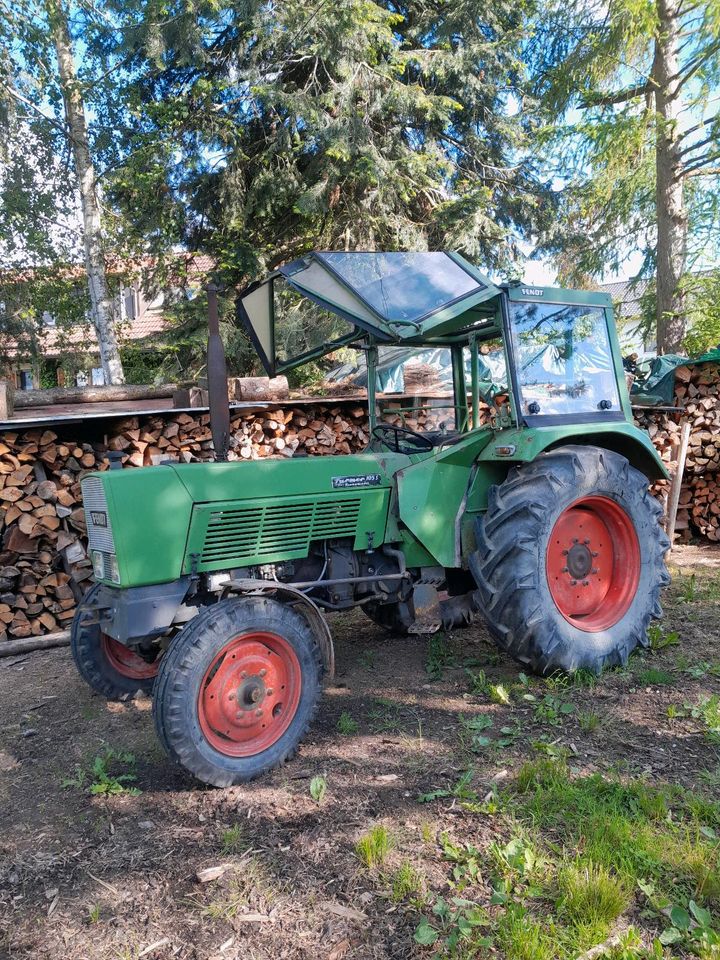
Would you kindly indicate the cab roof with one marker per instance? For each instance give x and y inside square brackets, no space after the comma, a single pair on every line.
[313,305]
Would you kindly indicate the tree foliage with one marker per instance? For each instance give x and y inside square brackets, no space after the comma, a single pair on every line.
[259,131]
[636,83]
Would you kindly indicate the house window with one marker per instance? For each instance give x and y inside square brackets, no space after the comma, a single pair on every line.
[97,377]
[48,320]
[25,379]
[129,303]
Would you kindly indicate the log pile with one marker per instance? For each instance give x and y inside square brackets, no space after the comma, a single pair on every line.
[697,392]
[44,568]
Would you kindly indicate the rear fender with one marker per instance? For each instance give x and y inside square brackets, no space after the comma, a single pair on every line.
[524,445]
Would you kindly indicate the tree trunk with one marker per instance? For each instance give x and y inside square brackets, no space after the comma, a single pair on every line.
[28,399]
[102,313]
[672,220]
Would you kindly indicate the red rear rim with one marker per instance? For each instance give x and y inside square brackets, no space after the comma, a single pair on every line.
[593,563]
[249,694]
[125,661]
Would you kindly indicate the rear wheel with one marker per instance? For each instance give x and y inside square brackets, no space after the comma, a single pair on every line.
[238,689]
[570,560]
[113,670]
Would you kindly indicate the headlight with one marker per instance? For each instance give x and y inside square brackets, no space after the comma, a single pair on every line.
[98,562]
[105,566]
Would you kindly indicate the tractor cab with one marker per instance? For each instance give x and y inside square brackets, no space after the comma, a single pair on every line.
[526,356]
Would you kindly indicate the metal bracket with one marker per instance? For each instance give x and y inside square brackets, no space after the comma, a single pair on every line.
[296,598]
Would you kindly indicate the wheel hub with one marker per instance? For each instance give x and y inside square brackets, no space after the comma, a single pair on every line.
[579,561]
[249,694]
[593,563]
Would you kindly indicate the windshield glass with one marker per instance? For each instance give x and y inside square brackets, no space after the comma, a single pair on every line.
[563,359]
[403,286]
[301,326]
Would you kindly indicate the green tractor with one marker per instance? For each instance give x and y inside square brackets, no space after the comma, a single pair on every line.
[213,579]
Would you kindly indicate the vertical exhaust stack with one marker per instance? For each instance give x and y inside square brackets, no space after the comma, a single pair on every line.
[217,379]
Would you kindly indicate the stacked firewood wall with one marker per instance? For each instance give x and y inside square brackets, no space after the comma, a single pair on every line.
[697,392]
[44,568]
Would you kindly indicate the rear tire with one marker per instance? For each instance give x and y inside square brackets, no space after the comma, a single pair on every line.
[113,670]
[238,689]
[570,560]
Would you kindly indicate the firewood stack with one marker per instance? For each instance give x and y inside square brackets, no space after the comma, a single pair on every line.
[697,391]
[44,568]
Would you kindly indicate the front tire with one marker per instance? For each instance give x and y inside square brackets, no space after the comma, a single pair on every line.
[570,560]
[113,670]
[238,689]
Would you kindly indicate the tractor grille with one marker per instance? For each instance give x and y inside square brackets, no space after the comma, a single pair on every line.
[100,535]
[248,533]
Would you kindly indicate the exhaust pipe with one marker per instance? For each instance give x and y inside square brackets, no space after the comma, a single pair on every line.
[217,379]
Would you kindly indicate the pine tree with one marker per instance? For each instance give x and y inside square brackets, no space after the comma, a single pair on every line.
[257,131]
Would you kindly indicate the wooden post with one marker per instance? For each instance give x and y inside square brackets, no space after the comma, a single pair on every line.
[676,483]
[6,399]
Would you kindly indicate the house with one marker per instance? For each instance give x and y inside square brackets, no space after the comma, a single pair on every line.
[627,297]
[48,352]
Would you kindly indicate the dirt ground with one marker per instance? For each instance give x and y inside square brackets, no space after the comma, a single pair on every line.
[113,875]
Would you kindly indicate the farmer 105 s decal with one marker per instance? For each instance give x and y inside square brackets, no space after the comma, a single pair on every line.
[213,579]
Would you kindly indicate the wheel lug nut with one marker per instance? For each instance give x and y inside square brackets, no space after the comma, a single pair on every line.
[244,674]
[258,713]
[596,554]
[575,540]
[269,692]
[586,542]
[564,570]
[594,570]
[231,696]
[263,672]
[573,583]
[586,583]
[565,552]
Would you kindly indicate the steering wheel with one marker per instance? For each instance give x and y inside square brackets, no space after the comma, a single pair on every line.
[400,439]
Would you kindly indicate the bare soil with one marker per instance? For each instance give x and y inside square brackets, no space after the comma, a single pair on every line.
[114,876]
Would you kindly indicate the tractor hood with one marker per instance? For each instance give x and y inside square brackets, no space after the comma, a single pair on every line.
[312,306]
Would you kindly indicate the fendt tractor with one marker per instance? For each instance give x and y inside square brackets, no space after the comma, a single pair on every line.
[213,580]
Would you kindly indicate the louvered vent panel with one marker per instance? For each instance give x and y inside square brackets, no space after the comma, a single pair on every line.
[239,536]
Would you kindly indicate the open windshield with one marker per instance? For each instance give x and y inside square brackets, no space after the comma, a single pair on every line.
[563,359]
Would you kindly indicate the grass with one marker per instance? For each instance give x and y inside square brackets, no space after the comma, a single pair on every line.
[592,896]
[404,882]
[346,725]
[373,847]
[233,840]
[589,721]
[659,640]
[654,677]
[251,888]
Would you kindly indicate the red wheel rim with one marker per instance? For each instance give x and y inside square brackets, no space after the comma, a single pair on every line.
[593,563]
[125,661]
[249,694]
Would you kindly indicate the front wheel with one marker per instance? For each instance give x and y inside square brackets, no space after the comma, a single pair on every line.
[570,560]
[237,690]
[113,670]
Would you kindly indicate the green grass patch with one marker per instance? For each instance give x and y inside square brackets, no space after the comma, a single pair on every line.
[373,847]
[405,882]
[346,725]
[653,677]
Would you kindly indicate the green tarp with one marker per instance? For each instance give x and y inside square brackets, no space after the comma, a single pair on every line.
[659,386]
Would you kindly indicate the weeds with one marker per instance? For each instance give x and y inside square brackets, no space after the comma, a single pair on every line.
[591,895]
[659,640]
[438,657]
[374,846]
[589,721]
[102,778]
[318,789]
[552,710]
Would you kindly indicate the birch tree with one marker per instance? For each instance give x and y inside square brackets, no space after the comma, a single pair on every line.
[42,94]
